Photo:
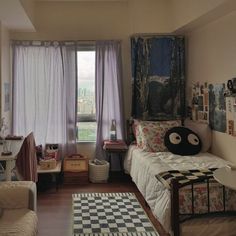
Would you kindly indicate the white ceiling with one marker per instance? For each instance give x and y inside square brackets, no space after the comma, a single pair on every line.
[14,17]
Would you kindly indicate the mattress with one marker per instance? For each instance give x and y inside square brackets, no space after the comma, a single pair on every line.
[143,166]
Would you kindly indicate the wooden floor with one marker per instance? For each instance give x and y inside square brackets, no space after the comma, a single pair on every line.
[55,207]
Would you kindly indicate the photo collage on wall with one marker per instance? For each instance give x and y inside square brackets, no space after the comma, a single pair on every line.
[231,115]
[209,105]
[200,102]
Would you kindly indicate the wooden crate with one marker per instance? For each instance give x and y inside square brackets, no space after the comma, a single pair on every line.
[48,164]
[75,164]
[75,168]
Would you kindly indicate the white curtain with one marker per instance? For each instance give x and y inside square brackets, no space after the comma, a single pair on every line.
[109,103]
[40,82]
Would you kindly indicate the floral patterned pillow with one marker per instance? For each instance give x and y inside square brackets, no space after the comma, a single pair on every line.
[150,135]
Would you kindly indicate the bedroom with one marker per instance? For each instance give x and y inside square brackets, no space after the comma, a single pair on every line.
[209,27]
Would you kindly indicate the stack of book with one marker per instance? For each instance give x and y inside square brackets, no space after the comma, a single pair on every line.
[118,144]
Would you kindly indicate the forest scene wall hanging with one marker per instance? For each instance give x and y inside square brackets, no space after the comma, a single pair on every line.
[158,79]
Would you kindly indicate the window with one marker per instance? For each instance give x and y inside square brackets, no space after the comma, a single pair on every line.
[86,113]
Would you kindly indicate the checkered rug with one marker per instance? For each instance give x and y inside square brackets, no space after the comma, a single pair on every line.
[110,214]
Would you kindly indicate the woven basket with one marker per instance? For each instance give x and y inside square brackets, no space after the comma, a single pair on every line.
[98,173]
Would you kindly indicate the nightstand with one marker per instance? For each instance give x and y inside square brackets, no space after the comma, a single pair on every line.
[118,147]
[55,172]
[75,169]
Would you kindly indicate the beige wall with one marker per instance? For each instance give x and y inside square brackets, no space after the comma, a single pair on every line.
[211,50]
[5,70]
[84,21]
[212,59]
[28,6]
[186,11]
[1,97]
[100,20]
[149,16]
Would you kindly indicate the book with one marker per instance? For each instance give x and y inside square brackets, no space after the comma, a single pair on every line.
[14,137]
[118,144]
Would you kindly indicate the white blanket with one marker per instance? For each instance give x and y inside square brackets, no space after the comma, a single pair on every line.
[143,166]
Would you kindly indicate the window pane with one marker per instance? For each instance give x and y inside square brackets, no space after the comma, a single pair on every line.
[86,127]
[86,131]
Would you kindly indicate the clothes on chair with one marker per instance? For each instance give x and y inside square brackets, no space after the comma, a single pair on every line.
[26,162]
[2,171]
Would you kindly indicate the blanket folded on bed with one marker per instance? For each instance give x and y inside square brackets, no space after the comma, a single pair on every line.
[185,177]
[198,192]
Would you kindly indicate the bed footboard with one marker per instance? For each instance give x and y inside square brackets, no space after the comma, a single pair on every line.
[195,193]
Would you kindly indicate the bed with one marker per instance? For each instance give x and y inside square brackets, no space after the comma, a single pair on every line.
[144,167]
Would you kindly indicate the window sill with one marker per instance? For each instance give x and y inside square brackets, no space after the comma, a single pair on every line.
[85,142]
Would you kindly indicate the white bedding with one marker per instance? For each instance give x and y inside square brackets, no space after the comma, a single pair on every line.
[143,166]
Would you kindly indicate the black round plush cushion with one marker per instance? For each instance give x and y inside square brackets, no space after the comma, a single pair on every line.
[182,141]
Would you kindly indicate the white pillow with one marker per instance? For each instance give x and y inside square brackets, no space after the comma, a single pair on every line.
[203,131]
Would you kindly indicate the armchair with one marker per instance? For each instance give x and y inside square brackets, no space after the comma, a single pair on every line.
[18,204]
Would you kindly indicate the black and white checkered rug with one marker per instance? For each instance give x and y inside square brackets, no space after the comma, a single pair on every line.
[110,214]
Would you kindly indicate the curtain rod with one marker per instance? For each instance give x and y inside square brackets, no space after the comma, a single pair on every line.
[56,43]
[62,41]
[155,34]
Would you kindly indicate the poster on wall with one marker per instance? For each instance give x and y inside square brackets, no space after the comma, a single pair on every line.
[217,107]
[231,115]
[6,97]
[213,104]
[200,103]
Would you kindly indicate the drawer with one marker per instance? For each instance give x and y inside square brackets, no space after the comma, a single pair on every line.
[76,177]
[75,165]
[76,174]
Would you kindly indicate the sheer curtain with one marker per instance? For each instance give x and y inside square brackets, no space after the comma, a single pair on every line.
[40,92]
[69,57]
[109,104]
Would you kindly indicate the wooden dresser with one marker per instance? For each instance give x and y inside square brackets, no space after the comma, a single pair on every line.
[75,169]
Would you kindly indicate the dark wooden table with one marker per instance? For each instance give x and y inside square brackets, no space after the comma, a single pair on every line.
[119,151]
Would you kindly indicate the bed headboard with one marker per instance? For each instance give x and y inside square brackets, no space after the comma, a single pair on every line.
[130,137]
